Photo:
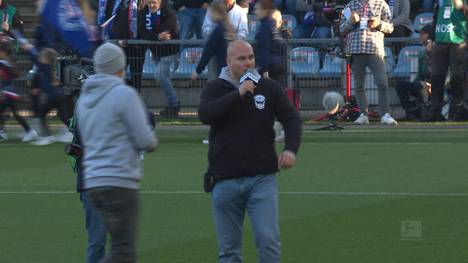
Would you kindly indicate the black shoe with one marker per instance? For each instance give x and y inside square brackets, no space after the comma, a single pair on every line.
[433,118]
[170,112]
[457,113]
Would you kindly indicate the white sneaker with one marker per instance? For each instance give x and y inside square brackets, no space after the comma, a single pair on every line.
[66,136]
[30,136]
[3,135]
[363,119]
[46,140]
[387,119]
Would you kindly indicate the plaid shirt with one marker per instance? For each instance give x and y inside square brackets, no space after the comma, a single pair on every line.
[367,41]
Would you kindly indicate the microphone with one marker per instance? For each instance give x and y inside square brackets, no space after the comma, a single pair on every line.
[251,75]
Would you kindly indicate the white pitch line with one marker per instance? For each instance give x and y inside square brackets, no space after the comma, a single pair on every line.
[157,192]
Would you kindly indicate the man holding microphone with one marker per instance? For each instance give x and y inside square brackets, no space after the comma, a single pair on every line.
[242,157]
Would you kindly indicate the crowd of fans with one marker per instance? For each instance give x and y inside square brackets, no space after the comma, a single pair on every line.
[222,21]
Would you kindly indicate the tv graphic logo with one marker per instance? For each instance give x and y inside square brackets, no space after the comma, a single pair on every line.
[411,230]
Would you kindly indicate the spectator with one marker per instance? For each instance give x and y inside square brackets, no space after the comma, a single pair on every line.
[268,50]
[420,87]
[400,10]
[448,53]
[217,42]
[10,17]
[365,42]
[191,14]
[314,25]
[49,88]
[280,26]
[242,156]
[8,96]
[123,26]
[158,22]
[238,19]
[114,130]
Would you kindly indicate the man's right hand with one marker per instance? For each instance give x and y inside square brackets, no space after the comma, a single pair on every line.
[166,35]
[246,86]
[355,18]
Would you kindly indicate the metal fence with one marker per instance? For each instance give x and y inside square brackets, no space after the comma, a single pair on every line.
[313,67]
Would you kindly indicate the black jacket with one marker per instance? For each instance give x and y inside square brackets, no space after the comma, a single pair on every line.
[241,133]
[168,22]
[120,24]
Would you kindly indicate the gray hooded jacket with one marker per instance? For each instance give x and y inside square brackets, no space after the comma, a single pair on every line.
[114,129]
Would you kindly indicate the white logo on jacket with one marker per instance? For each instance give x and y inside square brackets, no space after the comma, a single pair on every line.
[259,101]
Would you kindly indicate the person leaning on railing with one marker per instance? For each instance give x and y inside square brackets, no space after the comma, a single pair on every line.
[158,22]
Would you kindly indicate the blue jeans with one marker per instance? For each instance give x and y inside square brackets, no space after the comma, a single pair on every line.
[162,72]
[191,20]
[258,195]
[96,231]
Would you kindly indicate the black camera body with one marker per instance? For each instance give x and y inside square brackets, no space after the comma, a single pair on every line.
[74,150]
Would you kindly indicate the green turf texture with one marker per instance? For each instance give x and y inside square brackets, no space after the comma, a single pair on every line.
[176,227]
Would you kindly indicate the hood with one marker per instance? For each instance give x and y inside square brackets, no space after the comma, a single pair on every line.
[96,87]
[224,74]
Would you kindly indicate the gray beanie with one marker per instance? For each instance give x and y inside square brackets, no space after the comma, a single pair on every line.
[108,59]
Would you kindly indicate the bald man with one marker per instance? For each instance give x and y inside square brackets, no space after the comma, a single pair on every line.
[242,159]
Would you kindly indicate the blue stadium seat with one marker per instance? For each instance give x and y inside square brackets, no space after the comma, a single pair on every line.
[188,61]
[305,61]
[332,66]
[407,61]
[290,22]
[149,67]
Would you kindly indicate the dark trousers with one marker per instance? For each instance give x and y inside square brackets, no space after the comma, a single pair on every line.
[119,208]
[445,57]
[135,59]
[8,103]
[276,72]
[405,89]
[53,102]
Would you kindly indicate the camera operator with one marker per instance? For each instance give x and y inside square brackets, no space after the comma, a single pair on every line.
[421,86]
[364,23]
[113,127]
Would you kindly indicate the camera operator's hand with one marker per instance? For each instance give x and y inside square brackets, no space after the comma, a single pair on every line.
[286,159]
[246,87]
[374,22]
[429,45]
[355,18]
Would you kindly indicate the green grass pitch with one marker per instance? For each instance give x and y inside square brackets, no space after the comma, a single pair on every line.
[354,196]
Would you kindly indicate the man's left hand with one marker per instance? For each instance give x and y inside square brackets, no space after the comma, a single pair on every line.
[374,22]
[286,159]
